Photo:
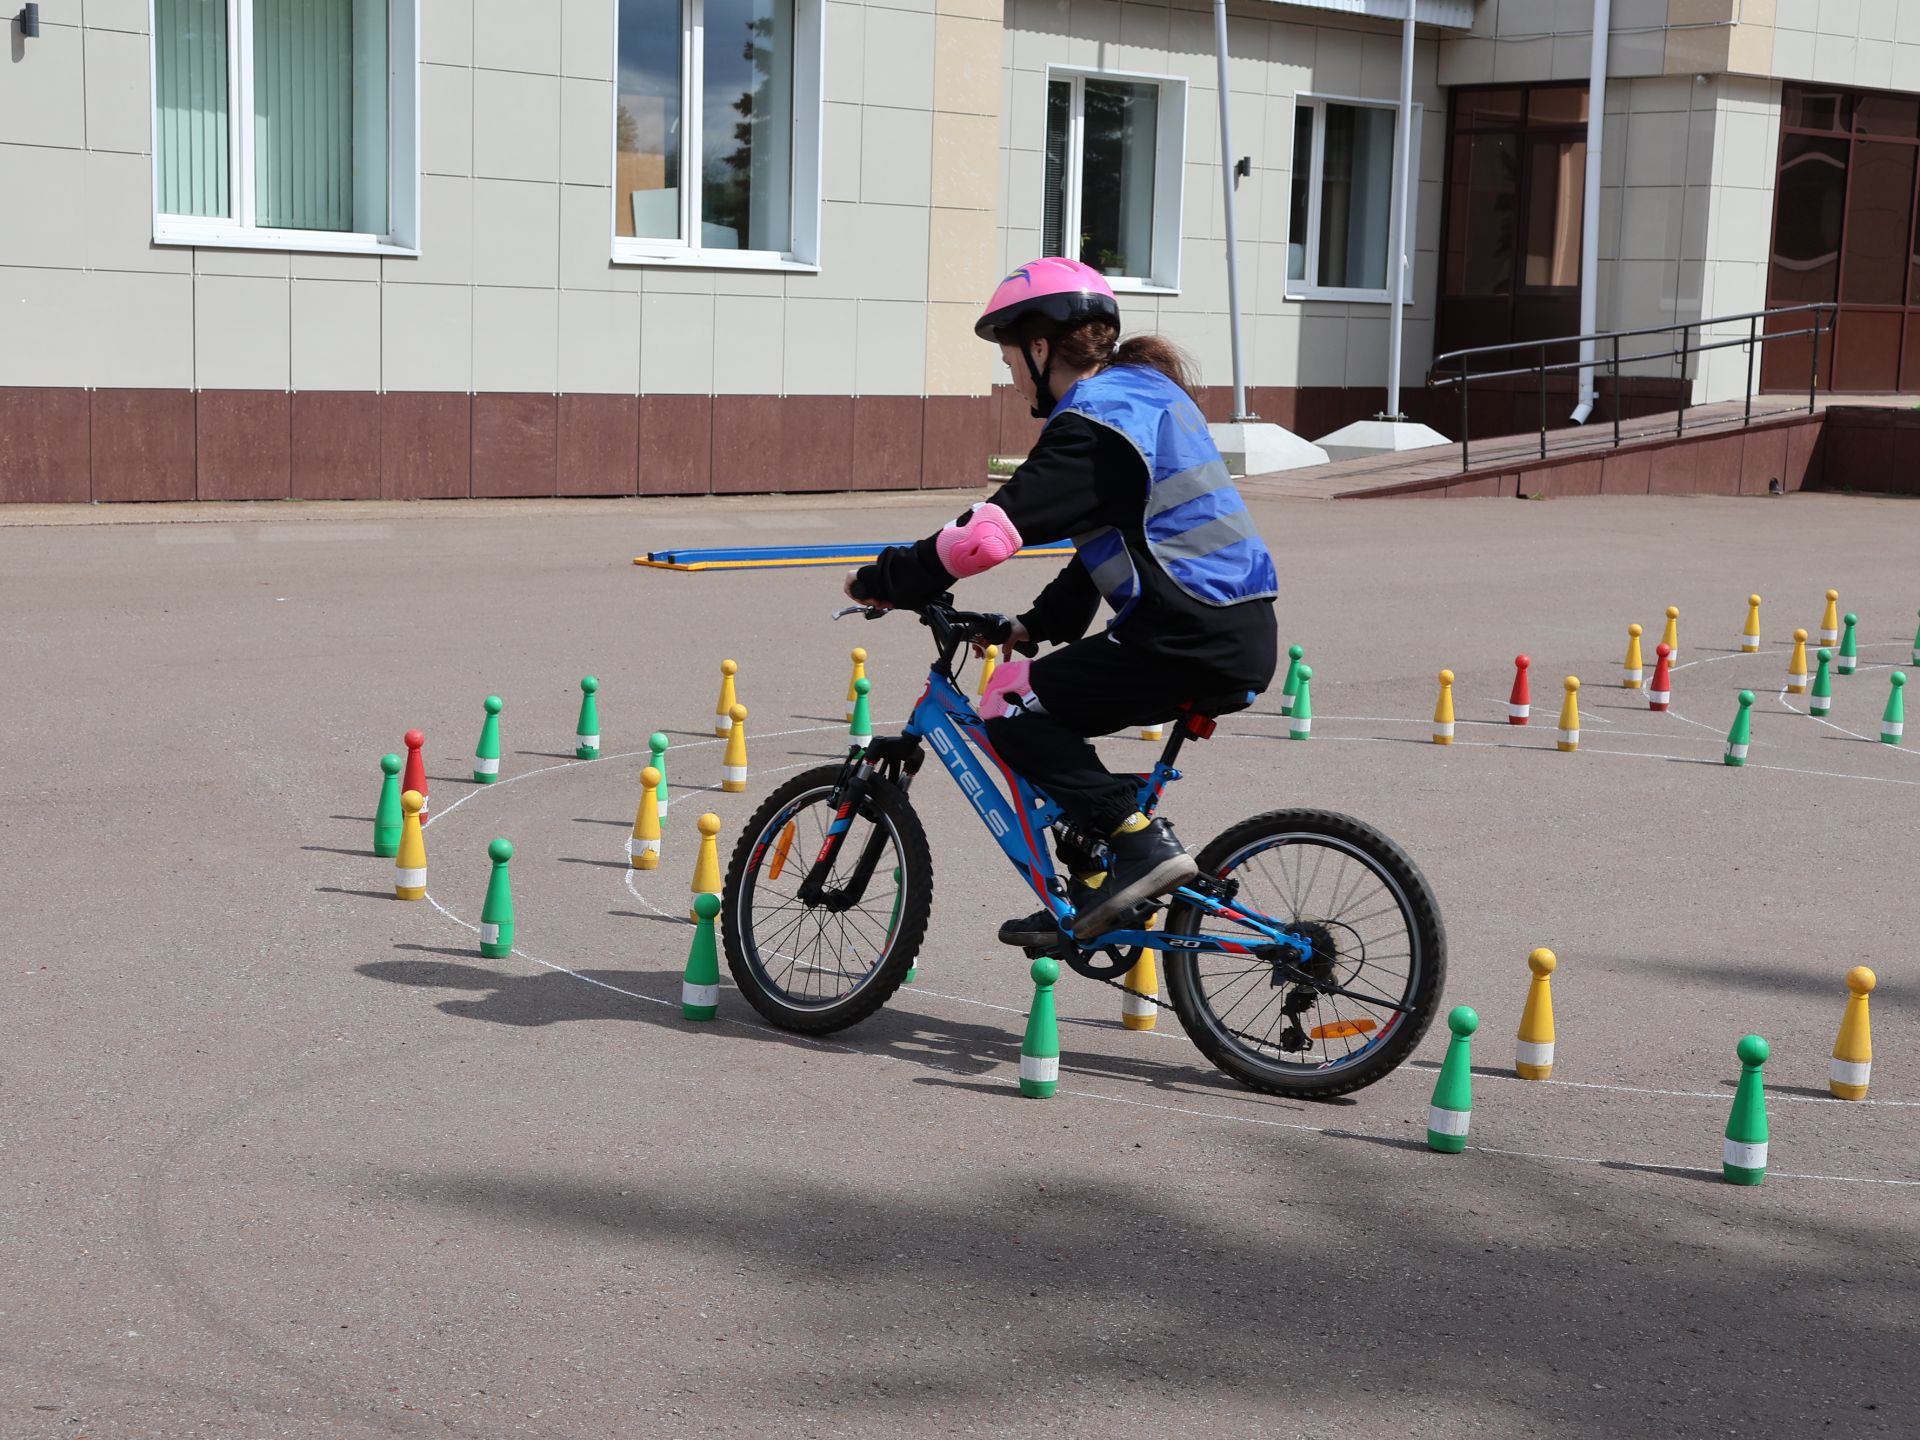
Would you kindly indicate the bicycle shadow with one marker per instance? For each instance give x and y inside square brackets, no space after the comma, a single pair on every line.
[960,1048]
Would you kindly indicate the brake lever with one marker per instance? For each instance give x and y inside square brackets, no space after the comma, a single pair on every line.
[872,612]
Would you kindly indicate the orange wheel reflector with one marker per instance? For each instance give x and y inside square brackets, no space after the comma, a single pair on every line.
[1341,1029]
[780,852]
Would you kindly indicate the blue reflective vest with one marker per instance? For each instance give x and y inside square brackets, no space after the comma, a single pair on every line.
[1197,526]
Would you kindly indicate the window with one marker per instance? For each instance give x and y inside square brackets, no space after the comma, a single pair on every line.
[1113,171]
[1342,212]
[285,124]
[716,133]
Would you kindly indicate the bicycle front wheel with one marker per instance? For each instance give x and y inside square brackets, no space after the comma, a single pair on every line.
[1377,942]
[817,968]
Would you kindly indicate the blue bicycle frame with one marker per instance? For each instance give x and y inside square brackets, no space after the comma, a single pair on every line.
[946,721]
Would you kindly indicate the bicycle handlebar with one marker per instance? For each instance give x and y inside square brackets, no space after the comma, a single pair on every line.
[951,628]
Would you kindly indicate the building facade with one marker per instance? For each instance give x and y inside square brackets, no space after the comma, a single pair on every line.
[417,248]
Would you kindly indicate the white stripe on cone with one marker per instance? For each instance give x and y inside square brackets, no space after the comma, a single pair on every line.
[1828,637]
[1819,708]
[1532,1052]
[636,846]
[736,773]
[1745,1157]
[1302,725]
[489,934]
[1738,752]
[860,740]
[1519,712]
[1569,737]
[1443,729]
[587,742]
[1447,1122]
[691,994]
[1136,1004]
[1796,684]
[1040,1067]
[1659,697]
[486,767]
[1895,728]
[410,879]
[1630,677]
[722,724]
[1845,664]
[1850,1072]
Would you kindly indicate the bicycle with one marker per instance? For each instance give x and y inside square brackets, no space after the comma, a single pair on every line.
[820,940]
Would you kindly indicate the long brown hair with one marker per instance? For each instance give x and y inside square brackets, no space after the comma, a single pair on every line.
[1091,345]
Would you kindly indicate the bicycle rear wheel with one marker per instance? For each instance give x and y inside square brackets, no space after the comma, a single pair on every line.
[1376,932]
[818,968]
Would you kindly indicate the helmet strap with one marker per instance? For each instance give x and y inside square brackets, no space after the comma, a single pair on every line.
[1043,401]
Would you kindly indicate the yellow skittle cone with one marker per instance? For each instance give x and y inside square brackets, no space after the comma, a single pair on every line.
[1570,716]
[733,768]
[1631,668]
[859,674]
[987,667]
[1830,622]
[1443,711]
[410,865]
[1155,731]
[1533,1055]
[643,849]
[1672,637]
[1750,637]
[706,865]
[1797,666]
[1853,1050]
[723,709]
[1137,1010]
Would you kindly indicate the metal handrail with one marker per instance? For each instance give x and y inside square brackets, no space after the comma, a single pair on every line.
[1823,314]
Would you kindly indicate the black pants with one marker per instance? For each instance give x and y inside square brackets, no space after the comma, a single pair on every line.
[1097,686]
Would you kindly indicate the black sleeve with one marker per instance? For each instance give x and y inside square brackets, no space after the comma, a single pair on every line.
[1057,492]
[1065,609]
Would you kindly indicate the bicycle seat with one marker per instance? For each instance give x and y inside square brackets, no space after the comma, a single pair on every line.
[1203,710]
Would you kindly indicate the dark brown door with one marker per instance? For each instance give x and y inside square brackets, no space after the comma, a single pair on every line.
[1843,232]
[1515,193]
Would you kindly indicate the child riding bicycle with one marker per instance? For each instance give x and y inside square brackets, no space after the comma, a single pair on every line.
[1124,466]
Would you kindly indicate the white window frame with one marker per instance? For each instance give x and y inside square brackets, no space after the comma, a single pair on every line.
[1307,288]
[236,231]
[1169,168]
[809,128]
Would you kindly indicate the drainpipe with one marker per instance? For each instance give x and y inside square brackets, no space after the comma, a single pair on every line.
[1227,184]
[1590,213]
[1402,167]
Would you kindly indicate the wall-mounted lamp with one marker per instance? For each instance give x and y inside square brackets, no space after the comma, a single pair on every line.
[29,19]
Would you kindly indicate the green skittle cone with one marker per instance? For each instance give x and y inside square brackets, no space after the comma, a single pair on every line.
[1451,1108]
[1741,735]
[1821,700]
[1894,722]
[893,922]
[1744,1158]
[657,748]
[1916,647]
[486,755]
[496,915]
[586,735]
[1302,708]
[700,986]
[1849,657]
[861,730]
[386,815]
[1292,686]
[1040,1049]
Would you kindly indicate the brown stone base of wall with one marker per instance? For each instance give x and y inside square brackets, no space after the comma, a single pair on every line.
[1495,408]
[117,445]
[1872,449]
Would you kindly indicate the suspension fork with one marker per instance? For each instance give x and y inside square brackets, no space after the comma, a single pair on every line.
[891,761]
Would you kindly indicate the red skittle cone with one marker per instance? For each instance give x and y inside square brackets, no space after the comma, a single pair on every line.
[1661,691]
[414,777]
[1520,703]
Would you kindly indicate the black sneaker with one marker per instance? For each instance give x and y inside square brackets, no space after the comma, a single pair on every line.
[1148,864]
[1038,931]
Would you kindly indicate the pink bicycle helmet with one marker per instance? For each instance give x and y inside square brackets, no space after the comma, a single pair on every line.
[1063,290]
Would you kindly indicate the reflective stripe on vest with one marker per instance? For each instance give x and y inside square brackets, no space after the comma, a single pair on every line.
[1196,524]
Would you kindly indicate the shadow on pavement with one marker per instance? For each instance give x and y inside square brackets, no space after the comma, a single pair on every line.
[341,850]
[364,894]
